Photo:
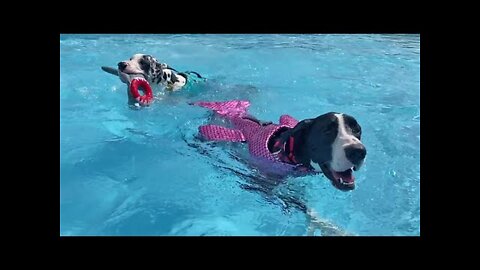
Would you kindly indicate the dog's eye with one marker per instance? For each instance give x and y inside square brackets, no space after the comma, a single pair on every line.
[356,129]
[353,124]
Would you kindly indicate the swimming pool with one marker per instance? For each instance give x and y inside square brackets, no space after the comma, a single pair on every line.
[143,172]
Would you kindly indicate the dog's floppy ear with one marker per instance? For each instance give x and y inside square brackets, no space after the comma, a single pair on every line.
[302,125]
[157,69]
[154,67]
[174,78]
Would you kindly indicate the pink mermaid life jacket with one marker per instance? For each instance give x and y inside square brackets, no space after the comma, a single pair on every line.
[247,130]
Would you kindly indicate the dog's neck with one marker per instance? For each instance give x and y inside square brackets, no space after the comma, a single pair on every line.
[290,145]
[298,139]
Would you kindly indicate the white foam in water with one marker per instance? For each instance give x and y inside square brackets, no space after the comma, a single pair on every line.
[215,226]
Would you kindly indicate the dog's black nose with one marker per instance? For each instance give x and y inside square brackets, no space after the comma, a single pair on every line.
[355,153]
[122,65]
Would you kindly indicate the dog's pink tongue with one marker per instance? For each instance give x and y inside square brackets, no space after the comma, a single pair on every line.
[346,176]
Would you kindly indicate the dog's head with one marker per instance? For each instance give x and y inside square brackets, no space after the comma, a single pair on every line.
[142,64]
[331,144]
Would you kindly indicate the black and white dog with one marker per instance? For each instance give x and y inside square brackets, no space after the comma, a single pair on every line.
[157,74]
[329,144]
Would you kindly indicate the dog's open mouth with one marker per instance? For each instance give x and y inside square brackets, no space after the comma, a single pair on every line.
[342,180]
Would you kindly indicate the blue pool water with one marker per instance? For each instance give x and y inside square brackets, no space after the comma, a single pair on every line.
[144,172]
